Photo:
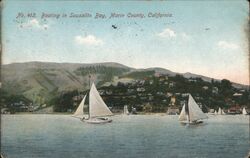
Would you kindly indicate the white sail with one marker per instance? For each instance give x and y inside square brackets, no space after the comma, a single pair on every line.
[223,113]
[182,116]
[195,112]
[97,107]
[244,112]
[219,111]
[215,112]
[79,111]
[125,110]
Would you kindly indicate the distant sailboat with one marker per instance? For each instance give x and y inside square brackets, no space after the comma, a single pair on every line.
[98,110]
[220,112]
[125,110]
[215,112]
[244,112]
[191,112]
[223,113]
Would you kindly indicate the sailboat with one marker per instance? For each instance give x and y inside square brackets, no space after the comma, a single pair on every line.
[98,110]
[223,113]
[220,112]
[191,112]
[125,110]
[244,112]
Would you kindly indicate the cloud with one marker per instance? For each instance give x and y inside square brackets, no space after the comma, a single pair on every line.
[88,40]
[227,45]
[167,33]
[34,23]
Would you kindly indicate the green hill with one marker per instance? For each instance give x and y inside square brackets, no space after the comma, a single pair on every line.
[41,82]
[35,79]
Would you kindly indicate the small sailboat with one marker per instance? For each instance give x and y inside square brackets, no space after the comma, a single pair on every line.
[98,110]
[244,112]
[220,112]
[191,112]
[215,112]
[223,113]
[125,110]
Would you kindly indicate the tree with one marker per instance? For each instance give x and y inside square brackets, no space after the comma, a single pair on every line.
[226,88]
[226,84]
[64,101]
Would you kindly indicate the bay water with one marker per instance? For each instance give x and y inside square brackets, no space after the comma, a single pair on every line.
[128,136]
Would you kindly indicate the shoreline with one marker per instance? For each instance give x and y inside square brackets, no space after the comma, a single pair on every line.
[115,114]
[66,113]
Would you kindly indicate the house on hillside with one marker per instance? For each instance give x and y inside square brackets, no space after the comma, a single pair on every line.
[215,90]
[211,110]
[143,98]
[151,82]
[172,101]
[159,93]
[132,96]
[140,89]
[205,87]
[157,74]
[184,94]
[169,94]
[234,109]
[171,85]
[5,111]
[192,80]
[173,111]
[109,92]
[177,94]
[150,98]
[101,92]
[162,78]
[237,94]
[242,90]
[133,110]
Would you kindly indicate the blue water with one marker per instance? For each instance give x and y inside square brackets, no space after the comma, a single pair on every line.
[137,136]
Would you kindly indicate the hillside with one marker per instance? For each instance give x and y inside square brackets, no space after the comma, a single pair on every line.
[38,80]
[41,81]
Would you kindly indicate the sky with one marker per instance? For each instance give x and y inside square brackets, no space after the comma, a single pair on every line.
[207,38]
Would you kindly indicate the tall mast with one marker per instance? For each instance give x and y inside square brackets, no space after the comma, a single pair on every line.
[89,93]
[89,81]
[187,110]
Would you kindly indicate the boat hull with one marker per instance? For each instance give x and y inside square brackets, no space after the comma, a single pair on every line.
[192,123]
[97,120]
